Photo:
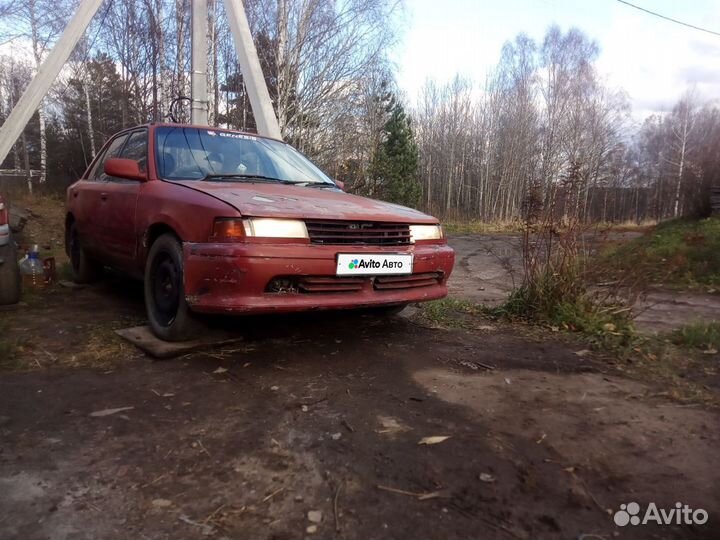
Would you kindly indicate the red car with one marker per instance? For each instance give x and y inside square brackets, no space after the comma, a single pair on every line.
[219,221]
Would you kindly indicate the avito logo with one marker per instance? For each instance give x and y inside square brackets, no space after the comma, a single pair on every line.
[374,265]
[629,514]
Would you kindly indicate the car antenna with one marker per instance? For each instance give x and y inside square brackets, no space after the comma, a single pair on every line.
[171,109]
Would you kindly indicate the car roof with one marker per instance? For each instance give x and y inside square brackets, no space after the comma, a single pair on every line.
[196,126]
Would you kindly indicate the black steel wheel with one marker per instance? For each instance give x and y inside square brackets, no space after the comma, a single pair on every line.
[167,310]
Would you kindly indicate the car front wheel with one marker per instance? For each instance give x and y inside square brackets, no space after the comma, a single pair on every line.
[168,313]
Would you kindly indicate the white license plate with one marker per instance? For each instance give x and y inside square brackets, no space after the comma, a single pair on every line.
[373,264]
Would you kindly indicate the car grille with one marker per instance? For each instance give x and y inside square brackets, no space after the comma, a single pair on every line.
[385,283]
[335,284]
[309,284]
[366,233]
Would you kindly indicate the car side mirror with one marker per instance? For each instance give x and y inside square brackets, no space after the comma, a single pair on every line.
[125,168]
[340,184]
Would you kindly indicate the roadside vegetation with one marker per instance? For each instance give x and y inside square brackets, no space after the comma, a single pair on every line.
[704,336]
[678,253]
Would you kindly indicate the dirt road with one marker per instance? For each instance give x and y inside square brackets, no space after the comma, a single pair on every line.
[488,266]
[324,414]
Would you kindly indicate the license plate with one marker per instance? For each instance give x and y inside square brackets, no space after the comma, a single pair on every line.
[373,264]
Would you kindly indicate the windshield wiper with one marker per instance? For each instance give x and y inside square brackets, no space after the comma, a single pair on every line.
[316,184]
[241,176]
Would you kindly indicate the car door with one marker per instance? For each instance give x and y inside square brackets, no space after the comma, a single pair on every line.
[120,203]
[88,196]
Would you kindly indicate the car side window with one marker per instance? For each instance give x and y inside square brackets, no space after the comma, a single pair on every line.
[136,148]
[98,173]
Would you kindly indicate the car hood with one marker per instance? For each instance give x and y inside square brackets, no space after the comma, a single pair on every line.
[287,201]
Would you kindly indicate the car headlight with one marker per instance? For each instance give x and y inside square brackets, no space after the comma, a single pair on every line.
[425,232]
[275,228]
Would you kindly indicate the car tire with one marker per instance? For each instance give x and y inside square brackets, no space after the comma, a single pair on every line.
[167,310]
[10,281]
[84,268]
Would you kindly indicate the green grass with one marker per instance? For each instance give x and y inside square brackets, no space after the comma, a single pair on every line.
[448,312]
[699,335]
[683,253]
[560,301]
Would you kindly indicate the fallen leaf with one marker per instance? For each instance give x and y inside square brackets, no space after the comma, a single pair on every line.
[161,503]
[487,477]
[220,370]
[336,436]
[108,412]
[609,327]
[274,388]
[434,439]
[569,469]
[583,352]
[507,381]
[311,529]
[710,351]
[390,425]
[314,516]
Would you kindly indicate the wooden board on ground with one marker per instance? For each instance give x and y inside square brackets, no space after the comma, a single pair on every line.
[143,338]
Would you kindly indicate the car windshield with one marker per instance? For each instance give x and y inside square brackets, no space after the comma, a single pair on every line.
[188,153]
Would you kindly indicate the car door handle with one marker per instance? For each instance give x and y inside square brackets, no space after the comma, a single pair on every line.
[103,196]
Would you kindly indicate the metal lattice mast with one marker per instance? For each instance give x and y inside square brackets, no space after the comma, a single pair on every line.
[45,76]
[249,64]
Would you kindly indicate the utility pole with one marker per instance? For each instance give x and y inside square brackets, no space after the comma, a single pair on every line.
[267,123]
[260,102]
[45,76]
[198,77]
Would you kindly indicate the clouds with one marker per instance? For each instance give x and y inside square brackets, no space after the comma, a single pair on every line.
[654,60]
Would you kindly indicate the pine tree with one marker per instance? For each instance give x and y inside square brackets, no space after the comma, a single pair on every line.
[395,165]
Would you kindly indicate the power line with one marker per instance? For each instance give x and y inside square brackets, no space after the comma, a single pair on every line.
[670,18]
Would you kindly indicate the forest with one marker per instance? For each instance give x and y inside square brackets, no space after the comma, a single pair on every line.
[543,124]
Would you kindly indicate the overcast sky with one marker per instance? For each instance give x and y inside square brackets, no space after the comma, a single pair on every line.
[652,59]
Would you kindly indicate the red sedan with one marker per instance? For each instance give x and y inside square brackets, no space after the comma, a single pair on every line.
[219,221]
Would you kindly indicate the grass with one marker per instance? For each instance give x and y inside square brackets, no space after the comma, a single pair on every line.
[11,347]
[699,335]
[449,312]
[682,253]
[46,226]
[561,302]
[481,227]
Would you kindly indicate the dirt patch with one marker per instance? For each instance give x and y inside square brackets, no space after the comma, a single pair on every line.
[316,403]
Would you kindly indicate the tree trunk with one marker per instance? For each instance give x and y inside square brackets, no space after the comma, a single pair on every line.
[37,53]
[88,109]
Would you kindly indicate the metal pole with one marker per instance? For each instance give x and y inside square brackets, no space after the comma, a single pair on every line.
[198,78]
[45,76]
[265,118]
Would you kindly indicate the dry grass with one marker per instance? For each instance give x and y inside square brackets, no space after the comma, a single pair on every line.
[46,226]
[103,349]
[481,227]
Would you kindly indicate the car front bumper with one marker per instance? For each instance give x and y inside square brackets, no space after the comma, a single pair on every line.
[237,277]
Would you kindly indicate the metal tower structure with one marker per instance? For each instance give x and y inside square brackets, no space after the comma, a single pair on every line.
[38,88]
